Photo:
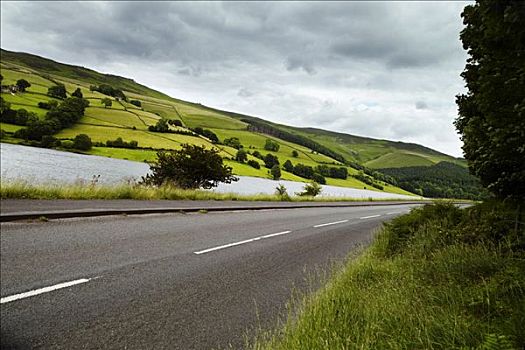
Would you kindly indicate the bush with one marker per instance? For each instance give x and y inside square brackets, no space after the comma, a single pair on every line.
[233,142]
[82,142]
[77,93]
[190,167]
[319,178]
[254,164]
[311,190]
[295,154]
[67,144]
[271,145]
[275,171]
[288,166]
[270,160]
[22,85]
[241,156]
[58,91]
[282,192]
[119,143]
[136,103]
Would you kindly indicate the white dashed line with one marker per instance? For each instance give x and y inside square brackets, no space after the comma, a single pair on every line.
[371,216]
[331,223]
[239,243]
[42,290]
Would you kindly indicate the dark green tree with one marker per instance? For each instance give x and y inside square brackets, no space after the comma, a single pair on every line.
[288,166]
[276,172]
[270,160]
[58,91]
[271,145]
[106,102]
[77,93]
[190,167]
[82,142]
[241,156]
[295,154]
[491,117]
[22,84]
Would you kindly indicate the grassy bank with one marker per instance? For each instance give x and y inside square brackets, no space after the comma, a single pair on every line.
[24,190]
[437,278]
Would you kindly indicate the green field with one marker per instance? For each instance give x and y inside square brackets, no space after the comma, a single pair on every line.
[398,160]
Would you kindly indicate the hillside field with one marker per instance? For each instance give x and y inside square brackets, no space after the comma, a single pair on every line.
[130,122]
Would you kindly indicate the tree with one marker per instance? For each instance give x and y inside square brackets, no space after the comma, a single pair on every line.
[233,142]
[254,164]
[270,160]
[161,126]
[491,117]
[295,154]
[58,91]
[190,167]
[319,178]
[77,93]
[107,102]
[271,145]
[136,103]
[82,142]
[241,156]
[22,84]
[288,166]
[276,172]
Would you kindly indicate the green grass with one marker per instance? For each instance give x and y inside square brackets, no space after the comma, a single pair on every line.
[398,160]
[85,191]
[437,278]
[10,127]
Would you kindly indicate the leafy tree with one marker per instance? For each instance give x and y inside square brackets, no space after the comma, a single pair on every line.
[82,142]
[4,106]
[254,164]
[190,167]
[77,93]
[282,192]
[241,156]
[161,126]
[106,102]
[295,154]
[233,142]
[136,103]
[270,160]
[275,171]
[258,154]
[271,145]
[288,166]
[22,84]
[58,91]
[492,113]
[319,178]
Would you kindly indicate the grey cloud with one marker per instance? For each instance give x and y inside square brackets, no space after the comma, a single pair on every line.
[352,53]
[421,105]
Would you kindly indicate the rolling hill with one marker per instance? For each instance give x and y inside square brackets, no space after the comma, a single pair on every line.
[308,146]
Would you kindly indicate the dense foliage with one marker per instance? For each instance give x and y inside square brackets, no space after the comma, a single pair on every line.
[492,112]
[271,145]
[120,143]
[210,135]
[265,128]
[57,91]
[188,168]
[109,90]
[443,180]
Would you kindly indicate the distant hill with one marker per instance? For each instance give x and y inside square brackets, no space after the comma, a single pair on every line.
[308,146]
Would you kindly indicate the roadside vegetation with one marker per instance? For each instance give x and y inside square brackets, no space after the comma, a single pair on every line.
[88,190]
[437,278]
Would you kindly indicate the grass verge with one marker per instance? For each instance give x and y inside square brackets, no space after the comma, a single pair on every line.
[437,278]
[25,190]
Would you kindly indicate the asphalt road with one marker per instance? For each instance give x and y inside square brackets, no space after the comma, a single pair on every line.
[166,281]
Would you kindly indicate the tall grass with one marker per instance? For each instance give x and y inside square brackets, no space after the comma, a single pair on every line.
[437,278]
[25,190]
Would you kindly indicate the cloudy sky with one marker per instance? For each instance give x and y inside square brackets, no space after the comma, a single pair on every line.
[380,69]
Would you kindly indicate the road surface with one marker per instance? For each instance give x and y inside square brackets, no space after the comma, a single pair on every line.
[166,281]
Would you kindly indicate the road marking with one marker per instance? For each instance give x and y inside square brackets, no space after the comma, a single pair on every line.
[331,223]
[42,290]
[240,242]
[276,234]
[369,217]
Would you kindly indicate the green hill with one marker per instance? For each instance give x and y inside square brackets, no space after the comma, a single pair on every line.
[311,147]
